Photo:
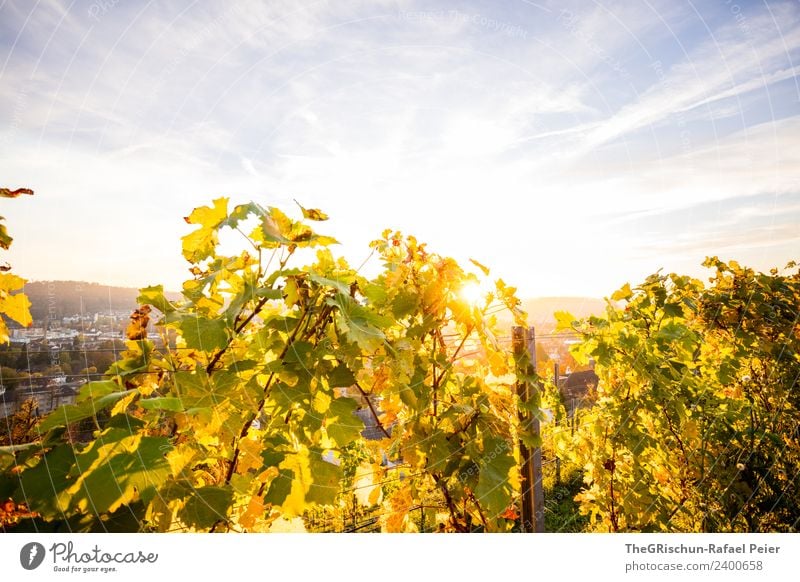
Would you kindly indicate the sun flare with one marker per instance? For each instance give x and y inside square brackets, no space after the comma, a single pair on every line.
[473,293]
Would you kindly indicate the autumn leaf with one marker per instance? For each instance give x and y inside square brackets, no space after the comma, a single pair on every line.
[7,193]
[312,213]
[137,328]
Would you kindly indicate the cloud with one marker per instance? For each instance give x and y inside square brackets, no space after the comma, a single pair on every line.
[554,140]
[722,67]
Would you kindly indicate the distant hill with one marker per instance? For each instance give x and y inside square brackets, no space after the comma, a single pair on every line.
[64,298]
[67,298]
[540,310]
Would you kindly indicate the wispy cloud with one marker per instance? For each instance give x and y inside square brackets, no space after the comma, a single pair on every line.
[488,129]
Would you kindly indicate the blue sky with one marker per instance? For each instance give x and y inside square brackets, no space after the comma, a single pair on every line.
[570,146]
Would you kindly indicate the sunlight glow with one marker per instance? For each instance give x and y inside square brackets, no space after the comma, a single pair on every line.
[473,293]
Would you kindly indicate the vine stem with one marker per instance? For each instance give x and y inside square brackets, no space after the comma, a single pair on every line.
[434,385]
[236,331]
[480,510]
[614,520]
[267,385]
[241,325]
[366,396]
[451,506]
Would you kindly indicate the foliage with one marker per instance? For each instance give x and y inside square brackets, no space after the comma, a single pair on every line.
[13,305]
[696,422]
[248,421]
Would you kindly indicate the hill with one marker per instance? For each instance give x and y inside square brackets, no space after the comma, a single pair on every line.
[540,310]
[65,298]
[58,299]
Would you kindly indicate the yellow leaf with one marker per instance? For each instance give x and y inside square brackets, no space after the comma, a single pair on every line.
[294,504]
[199,244]
[400,503]
[497,363]
[210,216]
[10,282]
[180,457]
[483,268]
[661,475]
[208,440]
[312,213]
[321,402]
[255,510]
[250,455]
[564,320]
[366,484]
[17,307]
[623,293]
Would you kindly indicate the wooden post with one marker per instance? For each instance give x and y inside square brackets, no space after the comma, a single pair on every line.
[518,341]
[556,374]
[355,505]
[536,458]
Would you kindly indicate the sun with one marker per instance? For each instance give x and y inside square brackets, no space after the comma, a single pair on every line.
[473,293]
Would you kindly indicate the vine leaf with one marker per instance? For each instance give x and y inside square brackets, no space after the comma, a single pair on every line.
[7,193]
[206,506]
[342,425]
[494,488]
[118,469]
[100,399]
[312,213]
[203,333]
[200,243]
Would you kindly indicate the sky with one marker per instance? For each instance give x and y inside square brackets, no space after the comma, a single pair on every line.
[570,146]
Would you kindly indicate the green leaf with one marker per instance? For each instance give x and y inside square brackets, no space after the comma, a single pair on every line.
[405,302]
[342,425]
[341,377]
[672,331]
[206,506]
[341,286]
[95,390]
[45,486]
[494,490]
[162,403]
[203,333]
[377,294]
[360,325]
[242,212]
[69,414]
[155,296]
[119,468]
[326,479]
[439,450]
[673,310]
[280,488]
